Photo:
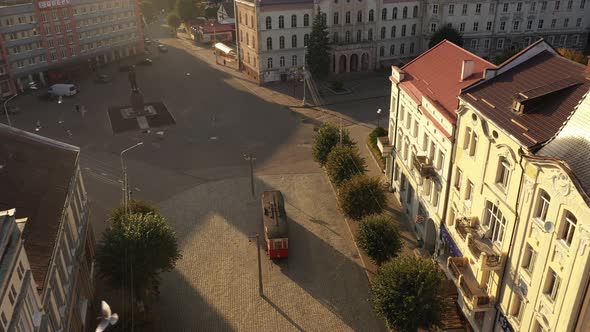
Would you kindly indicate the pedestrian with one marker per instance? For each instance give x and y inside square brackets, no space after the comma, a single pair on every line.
[224,61]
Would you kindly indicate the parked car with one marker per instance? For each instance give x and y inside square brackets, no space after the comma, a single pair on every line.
[145,62]
[125,67]
[63,89]
[102,78]
[162,48]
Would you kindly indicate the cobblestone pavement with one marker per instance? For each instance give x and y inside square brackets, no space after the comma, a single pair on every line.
[320,287]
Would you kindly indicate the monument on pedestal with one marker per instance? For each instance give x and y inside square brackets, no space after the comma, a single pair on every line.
[137,104]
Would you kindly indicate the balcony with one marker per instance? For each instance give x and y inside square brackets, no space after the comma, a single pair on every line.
[384,145]
[465,226]
[475,297]
[424,166]
[481,248]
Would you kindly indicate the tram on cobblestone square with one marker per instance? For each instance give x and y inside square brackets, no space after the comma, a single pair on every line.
[274,219]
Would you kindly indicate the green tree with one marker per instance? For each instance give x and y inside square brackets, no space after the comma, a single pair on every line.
[326,137]
[379,237]
[344,162]
[186,9]
[446,32]
[173,21]
[318,48]
[362,196]
[507,54]
[573,55]
[147,10]
[407,293]
[134,206]
[134,250]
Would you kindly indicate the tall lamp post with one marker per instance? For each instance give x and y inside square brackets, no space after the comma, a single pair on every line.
[378,117]
[125,183]
[6,110]
[257,237]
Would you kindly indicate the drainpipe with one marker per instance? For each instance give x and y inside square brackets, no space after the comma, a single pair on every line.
[512,237]
[450,170]
[237,25]
[394,133]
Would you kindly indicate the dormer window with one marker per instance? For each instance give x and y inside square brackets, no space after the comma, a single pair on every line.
[517,107]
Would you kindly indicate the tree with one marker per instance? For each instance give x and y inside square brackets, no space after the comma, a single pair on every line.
[134,250]
[407,293]
[507,54]
[186,9]
[362,196]
[379,237]
[173,21]
[318,48]
[134,206]
[446,32]
[344,162]
[327,136]
[147,10]
[573,55]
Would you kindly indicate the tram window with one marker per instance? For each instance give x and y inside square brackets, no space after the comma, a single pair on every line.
[278,244]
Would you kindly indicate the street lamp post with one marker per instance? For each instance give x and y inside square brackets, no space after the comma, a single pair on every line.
[6,110]
[257,236]
[378,117]
[250,158]
[125,187]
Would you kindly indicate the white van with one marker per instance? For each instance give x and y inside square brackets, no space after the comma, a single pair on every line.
[62,90]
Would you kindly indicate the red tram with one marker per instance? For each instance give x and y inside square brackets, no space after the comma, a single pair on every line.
[274,219]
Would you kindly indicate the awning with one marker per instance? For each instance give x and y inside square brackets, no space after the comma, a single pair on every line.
[448,240]
[223,48]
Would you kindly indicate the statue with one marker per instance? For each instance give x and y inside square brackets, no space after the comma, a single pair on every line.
[133,79]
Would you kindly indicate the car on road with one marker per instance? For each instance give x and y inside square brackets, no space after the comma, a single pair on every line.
[102,78]
[63,89]
[162,48]
[145,62]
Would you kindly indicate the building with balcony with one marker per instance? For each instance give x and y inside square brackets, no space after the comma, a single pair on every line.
[421,129]
[20,305]
[41,41]
[513,205]
[41,179]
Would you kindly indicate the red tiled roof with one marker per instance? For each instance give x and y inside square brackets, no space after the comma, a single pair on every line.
[563,81]
[436,74]
[35,175]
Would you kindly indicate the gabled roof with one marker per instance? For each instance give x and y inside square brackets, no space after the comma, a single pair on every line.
[436,74]
[228,6]
[35,174]
[549,87]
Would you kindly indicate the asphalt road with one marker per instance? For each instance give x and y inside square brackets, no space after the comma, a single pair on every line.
[196,172]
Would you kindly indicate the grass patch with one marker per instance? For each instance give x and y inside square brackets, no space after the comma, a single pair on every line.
[372,141]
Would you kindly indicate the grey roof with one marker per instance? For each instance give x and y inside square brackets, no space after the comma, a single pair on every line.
[572,144]
[228,6]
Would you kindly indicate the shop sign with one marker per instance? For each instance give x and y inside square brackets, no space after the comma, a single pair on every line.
[504,323]
[52,3]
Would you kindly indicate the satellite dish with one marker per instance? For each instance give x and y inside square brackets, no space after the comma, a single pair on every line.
[549,227]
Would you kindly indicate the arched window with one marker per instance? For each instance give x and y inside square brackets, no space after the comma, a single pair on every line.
[293,21]
[305,39]
[494,219]
[281,42]
[294,61]
[347,17]
[392,49]
[393,30]
[359,16]
[335,18]
[384,14]
[394,16]
[402,49]
[281,22]
[268,42]
[403,30]
[268,23]
[294,41]
[370,36]
[347,36]
[405,12]
[415,11]
[543,202]
[382,32]
[282,61]
[306,20]
[269,63]
[359,36]
[568,228]
[381,51]
[371,15]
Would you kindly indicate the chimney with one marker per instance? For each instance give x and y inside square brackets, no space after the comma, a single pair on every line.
[466,69]
[397,74]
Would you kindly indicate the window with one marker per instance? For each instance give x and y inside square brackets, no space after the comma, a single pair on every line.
[543,6]
[268,22]
[306,39]
[294,61]
[464,10]
[529,259]
[293,21]
[335,18]
[413,29]
[347,36]
[268,42]
[393,31]
[282,61]
[411,48]
[404,29]
[408,120]
[415,12]
[359,16]
[394,14]
[435,9]
[294,41]
[381,51]
[458,175]
[505,7]
[518,308]
[569,4]
[578,22]
[503,175]
[502,26]
[384,14]
[478,9]
[486,44]
[582,4]
[533,6]
[469,191]
[383,32]
[405,12]
[462,27]
[529,24]
[566,22]
[569,228]
[474,44]
[281,42]
[552,285]
[306,20]
[335,38]
[495,221]
[451,9]
[519,7]
[553,23]
[540,25]
[440,160]
[432,28]
[562,40]
[542,205]
[489,26]
[435,194]
[492,7]
[516,25]
[269,63]
[392,50]
[557,5]
[475,26]
[371,16]
[415,128]
[470,141]
[281,22]
[370,35]
[347,18]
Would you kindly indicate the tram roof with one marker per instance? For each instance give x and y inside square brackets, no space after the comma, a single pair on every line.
[274,216]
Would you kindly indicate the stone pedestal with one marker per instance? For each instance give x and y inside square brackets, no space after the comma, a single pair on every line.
[137,103]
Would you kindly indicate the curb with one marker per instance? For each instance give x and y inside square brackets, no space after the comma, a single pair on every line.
[368,147]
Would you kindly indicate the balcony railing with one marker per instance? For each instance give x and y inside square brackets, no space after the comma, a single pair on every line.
[424,166]
[384,145]
[475,297]
[484,251]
